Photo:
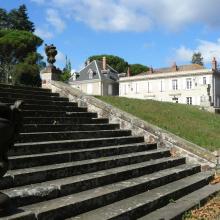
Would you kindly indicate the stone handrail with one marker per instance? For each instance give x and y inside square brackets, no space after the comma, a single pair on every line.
[151,133]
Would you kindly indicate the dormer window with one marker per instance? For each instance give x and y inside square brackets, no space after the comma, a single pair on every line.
[90,73]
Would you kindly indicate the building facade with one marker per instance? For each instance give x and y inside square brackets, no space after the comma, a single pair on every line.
[187,84]
[96,78]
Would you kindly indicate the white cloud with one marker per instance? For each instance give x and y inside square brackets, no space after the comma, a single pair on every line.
[130,15]
[38,1]
[54,19]
[44,34]
[208,50]
[184,54]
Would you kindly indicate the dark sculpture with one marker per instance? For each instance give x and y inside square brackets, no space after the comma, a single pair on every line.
[10,125]
[51,52]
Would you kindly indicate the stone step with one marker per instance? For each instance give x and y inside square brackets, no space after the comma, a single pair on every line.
[26,92]
[37,102]
[24,88]
[62,187]
[73,108]
[135,188]
[68,127]
[19,215]
[53,146]
[46,113]
[64,120]
[70,135]
[129,208]
[39,174]
[178,208]
[31,96]
[25,161]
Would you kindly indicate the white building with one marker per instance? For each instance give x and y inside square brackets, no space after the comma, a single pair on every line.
[96,78]
[188,84]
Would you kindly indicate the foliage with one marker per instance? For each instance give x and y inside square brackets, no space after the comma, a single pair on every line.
[197,58]
[16,19]
[27,74]
[117,63]
[137,69]
[3,19]
[17,47]
[66,73]
[188,122]
[120,65]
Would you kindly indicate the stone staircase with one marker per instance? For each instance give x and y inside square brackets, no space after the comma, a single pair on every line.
[69,164]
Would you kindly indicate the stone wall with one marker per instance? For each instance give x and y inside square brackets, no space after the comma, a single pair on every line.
[151,133]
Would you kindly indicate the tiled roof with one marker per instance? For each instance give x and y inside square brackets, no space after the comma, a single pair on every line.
[187,67]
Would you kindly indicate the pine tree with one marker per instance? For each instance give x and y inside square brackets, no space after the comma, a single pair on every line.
[197,58]
[19,20]
[3,19]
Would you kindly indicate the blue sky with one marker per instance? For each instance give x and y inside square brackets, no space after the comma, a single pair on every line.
[151,32]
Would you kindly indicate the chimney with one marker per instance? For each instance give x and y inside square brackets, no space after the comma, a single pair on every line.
[214,64]
[104,63]
[174,66]
[129,72]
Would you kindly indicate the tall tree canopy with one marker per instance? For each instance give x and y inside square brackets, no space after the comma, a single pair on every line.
[197,58]
[120,64]
[137,69]
[117,63]
[16,19]
[17,47]
[19,60]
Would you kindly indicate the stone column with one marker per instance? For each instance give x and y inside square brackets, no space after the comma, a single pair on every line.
[48,74]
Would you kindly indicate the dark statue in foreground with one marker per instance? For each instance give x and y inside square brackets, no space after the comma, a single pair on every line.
[10,125]
[51,52]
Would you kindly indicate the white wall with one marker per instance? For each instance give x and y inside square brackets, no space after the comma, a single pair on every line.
[161,88]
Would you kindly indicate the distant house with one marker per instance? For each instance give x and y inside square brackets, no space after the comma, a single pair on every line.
[96,78]
[188,84]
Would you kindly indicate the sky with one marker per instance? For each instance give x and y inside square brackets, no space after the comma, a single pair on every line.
[155,33]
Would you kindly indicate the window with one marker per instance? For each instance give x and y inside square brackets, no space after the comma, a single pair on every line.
[175,100]
[110,89]
[188,83]
[189,100]
[148,87]
[90,72]
[137,88]
[204,81]
[161,85]
[174,84]
[125,89]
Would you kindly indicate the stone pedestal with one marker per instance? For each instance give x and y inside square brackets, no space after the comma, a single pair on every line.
[48,74]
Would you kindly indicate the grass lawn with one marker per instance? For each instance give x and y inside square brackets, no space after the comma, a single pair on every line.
[188,122]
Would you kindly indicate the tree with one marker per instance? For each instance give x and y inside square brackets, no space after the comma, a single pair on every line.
[66,73]
[17,47]
[18,20]
[117,63]
[137,69]
[197,58]
[3,19]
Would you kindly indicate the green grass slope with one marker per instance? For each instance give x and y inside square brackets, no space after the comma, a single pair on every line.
[199,127]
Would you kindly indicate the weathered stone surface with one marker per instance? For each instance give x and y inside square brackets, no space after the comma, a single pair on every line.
[176,209]
[193,153]
[67,165]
